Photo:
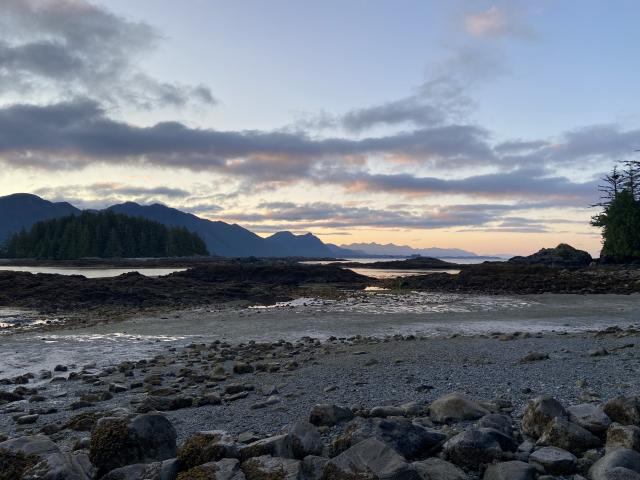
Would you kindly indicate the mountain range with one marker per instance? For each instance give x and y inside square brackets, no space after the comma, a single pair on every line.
[22,210]
[405,250]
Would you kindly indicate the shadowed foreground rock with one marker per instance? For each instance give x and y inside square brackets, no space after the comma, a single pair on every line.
[480,441]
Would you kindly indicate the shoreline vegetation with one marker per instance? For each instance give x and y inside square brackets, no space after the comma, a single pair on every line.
[102,235]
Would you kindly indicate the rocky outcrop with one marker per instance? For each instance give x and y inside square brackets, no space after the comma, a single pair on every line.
[561,256]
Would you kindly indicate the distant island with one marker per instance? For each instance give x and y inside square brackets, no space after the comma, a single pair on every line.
[20,211]
[102,235]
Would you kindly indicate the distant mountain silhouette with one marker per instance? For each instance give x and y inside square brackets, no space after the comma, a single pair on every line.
[22,210]
[345,252]
[307,245]
[221,238]
[405,250]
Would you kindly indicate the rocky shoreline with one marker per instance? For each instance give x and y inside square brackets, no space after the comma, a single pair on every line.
[519,279]
[350,408]
[211,284]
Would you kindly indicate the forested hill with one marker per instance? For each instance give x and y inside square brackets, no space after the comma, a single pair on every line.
[104,235]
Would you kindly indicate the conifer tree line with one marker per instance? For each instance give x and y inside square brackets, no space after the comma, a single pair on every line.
[620,216]
[103,235]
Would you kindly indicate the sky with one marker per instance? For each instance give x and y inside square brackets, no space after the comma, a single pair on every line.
[468,124]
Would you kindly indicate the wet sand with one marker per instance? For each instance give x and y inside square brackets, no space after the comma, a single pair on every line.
[372,315]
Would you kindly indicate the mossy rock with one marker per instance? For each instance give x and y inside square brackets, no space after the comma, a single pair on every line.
[108,441]
[85,421]
[13,465]
[198,449]
[201,472]
[253,471]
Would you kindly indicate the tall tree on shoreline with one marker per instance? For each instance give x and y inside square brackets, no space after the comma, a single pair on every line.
[620,216]
[104,235]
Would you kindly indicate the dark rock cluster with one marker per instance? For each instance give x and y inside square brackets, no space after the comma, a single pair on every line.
[453,438]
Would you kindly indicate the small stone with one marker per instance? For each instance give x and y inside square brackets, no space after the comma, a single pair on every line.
[534,357]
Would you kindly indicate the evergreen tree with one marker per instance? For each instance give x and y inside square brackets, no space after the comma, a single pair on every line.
[104,234]
[620,217]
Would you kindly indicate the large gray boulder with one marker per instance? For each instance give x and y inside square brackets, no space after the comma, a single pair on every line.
[408,439]
[117,442]
[513,470]
[370,460]
[567,435]
[313,467]
[473,448]
[625,436]
[37,457]
[501,423]
[167,470]
[553,460]
[305,439]
[296,442]
[437,469]
[590,417]
[225,469]
[618,464]
[539,413]
[455,407]
[266,467]
[329,415]
[623,410]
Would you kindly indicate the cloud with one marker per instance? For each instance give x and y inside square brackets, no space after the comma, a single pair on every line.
[67,48]
[100,195]
[78,133]
[520,183]
[308,216]
[494,22]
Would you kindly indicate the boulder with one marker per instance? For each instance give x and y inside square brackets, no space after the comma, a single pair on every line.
[455,407]
[513,470]
[570,436]
[539,413]
[473,448]
[296,441]
[437,469]
[305,439]
[118,442]
[225,469]
[277,446]
[617,464]
[408,439]
[370,460]
[38,457]
[555,461]
[624,410]
[266,467]
[590,417]
[329,415]
[625,436]
[167,470]
[386,411]
[501,423]
[313,467]
[207,447]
